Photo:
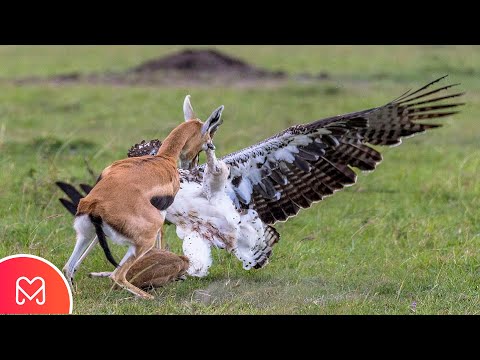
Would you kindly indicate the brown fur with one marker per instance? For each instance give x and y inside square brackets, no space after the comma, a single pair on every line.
[157,268]
[122,196]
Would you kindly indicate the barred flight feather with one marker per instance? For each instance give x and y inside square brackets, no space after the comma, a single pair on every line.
[305,163]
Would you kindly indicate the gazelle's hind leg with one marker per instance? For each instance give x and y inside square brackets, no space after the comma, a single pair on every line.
[119,275]
[85,233]
[85,254]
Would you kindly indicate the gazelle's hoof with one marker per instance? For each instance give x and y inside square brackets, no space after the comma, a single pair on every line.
[69,278]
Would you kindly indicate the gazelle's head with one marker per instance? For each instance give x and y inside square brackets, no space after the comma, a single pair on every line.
[201,140]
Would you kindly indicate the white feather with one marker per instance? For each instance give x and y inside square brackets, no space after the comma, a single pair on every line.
[198,252]
[245,189]
[250,238]
[301,140]
[205,216]
[284,154]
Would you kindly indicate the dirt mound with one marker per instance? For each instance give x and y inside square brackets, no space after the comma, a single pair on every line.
[199,67]
[208,60]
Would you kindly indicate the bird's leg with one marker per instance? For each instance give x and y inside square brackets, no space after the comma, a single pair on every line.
[211,161]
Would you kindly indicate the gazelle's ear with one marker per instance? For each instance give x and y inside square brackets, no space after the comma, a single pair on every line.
[187,109]
[213,121]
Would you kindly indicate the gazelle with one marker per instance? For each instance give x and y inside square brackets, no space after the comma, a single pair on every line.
[129,201]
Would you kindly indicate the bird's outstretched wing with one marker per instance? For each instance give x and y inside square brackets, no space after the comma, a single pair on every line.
[305,163]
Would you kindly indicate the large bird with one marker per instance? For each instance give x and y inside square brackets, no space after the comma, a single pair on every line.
[272,180]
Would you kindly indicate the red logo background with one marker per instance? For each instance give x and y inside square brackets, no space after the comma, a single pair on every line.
[58,297]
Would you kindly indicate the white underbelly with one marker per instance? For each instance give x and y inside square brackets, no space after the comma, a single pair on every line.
[216,219]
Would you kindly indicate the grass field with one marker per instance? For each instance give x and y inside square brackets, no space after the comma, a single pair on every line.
[404,240]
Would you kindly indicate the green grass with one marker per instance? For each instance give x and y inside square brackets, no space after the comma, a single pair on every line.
[408,232]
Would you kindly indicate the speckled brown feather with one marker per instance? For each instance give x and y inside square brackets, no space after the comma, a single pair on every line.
[145,148]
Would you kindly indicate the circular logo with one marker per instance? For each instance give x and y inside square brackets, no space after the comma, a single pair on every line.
[32,285]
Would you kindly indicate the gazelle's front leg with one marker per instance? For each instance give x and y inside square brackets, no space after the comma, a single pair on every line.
[108,273]
[100,274]
[160,243]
